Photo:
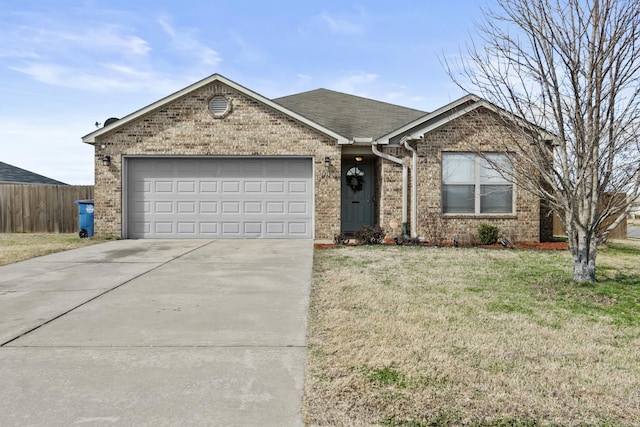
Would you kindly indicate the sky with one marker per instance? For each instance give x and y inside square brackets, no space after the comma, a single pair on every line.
[65,65]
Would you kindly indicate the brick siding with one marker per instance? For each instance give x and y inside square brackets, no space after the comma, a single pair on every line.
[465,134]
[186,127]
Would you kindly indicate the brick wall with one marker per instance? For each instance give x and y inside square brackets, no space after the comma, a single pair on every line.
[465,134]
[186,127]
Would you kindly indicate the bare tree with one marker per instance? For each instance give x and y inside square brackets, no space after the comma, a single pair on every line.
[571,68]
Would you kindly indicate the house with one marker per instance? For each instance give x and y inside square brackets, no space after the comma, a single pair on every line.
[10,174]
[217,160]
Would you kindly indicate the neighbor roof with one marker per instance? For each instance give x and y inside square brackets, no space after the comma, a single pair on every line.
[349,115]
[13,174]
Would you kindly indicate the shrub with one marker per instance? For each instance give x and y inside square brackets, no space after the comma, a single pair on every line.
[488,234]
[369,235]
[340,239]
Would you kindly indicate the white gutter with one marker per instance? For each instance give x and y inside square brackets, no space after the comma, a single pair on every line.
[414,188]
[405,177]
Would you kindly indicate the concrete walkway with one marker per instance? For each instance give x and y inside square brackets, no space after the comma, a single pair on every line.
[140,332]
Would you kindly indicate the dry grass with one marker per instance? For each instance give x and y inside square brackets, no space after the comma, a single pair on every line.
[16,247]
[406,336]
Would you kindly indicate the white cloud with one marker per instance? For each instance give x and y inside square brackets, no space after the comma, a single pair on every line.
[101,57]
[340,25]
[303,79]
[353,83]
[38,41]
[185,42]
[105,78]
[101,39]
[245,52]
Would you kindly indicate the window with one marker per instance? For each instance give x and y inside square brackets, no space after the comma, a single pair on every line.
[471,184]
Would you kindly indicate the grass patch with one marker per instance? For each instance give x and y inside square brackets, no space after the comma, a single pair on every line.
[16,247]
[474,337]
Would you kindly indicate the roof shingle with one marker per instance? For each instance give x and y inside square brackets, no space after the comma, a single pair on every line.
[13,174]
[349,115]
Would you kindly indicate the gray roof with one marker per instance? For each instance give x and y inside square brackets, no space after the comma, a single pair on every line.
[13,174]
[349,115]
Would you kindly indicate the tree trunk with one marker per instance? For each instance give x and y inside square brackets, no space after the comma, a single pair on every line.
[583,247]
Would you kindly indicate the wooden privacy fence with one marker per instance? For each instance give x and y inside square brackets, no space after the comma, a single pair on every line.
[27,208]
[620,232]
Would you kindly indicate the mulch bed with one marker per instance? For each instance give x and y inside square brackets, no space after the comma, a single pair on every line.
[544,246]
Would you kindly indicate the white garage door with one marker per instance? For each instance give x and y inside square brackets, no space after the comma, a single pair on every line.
[219,198]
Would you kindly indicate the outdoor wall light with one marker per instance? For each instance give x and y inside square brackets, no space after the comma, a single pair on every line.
[106,161]
[358,158]
[327,161]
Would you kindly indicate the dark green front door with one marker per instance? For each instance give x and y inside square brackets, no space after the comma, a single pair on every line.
[357,195]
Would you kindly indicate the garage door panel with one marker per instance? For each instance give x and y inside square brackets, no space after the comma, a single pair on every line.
[142,186]
[277,167]
[231,187]
[275,207]
[230,207]
[275,228]
[163,207]
[208,228]
[298,187]
[163,169]
[185,167]
[231,228]
[186,207]
[208,207]
[163,186]
[276,187]
[142,228]
[220,197]
[252,187]
[141,207]
[298,228]
[298,207]
[186,227]
[252,207]
[252,228]
[186,186]
[298,170]
[208,186]
[162,227]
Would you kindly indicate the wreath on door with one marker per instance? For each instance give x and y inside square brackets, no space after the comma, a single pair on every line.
[355,178]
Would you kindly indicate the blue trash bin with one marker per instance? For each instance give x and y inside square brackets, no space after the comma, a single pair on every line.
[85,217]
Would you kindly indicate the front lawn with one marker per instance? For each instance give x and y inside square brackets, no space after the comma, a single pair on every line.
[16,247]
[423,336]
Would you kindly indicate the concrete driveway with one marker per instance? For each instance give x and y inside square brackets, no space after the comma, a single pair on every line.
[148,332]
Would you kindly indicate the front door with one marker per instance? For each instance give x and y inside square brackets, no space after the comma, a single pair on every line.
[357,196]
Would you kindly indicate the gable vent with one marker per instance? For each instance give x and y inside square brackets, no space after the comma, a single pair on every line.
[219,106]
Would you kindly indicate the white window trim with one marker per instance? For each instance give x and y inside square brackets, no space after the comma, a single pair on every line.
[477,185]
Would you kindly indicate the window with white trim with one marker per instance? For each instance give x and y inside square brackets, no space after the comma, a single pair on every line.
[471,184]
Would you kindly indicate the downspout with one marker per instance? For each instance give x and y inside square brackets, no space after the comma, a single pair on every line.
[405,181]
[414,188]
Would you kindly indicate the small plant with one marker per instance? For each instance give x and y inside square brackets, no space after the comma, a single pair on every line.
[434,227]
[369,235]
[340,238]
[386,376]
[488,234]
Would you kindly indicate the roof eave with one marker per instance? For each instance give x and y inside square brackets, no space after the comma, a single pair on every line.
[91,137]
[472,102]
